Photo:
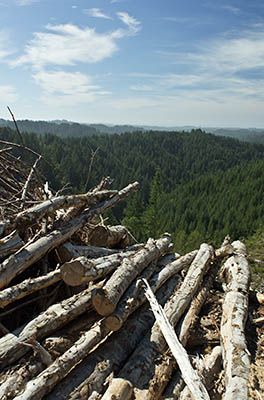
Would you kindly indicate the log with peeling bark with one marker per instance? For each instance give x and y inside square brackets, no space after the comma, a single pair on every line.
[105,299]
[55,317]
[83,270]
[141,366]
[110,236]
[28,286]
[10,244]
[236,273]
[134,297]
[15,264]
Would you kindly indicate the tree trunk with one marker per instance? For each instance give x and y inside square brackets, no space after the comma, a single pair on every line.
[10,244]
[134,297]
[27,287]
[82,270]
[235,310]
[32,252]
[105,299]
[141,366]
[55,317]
[110,236]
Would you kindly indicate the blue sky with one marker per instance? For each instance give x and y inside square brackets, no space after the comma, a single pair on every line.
[148,62]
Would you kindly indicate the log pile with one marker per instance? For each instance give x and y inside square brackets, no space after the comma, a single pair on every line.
[75,319]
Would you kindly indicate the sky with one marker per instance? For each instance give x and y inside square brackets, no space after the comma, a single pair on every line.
[142,62]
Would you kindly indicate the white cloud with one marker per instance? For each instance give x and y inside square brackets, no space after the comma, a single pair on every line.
[8,94]
[141,88]
[132,23]
[96,12]
[67,45]
[26,2]
[5,46]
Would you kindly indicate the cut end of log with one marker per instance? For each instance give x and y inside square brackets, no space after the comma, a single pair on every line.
[120,389]
[113,323]
[72,273]
[101,302]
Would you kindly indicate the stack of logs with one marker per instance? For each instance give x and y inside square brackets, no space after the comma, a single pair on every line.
[75,321]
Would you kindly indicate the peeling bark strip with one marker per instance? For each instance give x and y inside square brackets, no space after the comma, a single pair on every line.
[55,317]
[134,297]
[82,270]
[27,287]
[110,236]
[10,244]
[105,299]
[189,375]
[236,272]
[32,252]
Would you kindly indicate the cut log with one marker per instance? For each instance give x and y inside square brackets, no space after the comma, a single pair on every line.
[141,366]
[134,297]
[190,376]
[111,354]
[236,272]
[32,252]
[55,317]
[110,236]
[82,270]
[120,389]
[48,207]
[27,287]
[10,244]
[105,300]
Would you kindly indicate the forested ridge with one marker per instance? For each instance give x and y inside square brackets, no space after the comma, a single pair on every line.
[195,185]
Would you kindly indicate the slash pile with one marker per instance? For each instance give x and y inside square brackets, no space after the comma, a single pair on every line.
[75,322]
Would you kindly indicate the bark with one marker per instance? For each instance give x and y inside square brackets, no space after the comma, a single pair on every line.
[27,287]
[32,252]
[10,244]
[190,376]
[105,300]
[68,251]
[82,270]
[110,236]
[134,297]
[210,366]
[55,317]
[120,386]
[49,207]
[110,356]
[141,366]
[235,309]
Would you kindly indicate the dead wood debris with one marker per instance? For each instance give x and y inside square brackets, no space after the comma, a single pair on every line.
[75,322]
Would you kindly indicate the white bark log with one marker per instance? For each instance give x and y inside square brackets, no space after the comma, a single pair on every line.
[55,317]
[10,244]
[105,299]
[120,389]
[83,270]
[27,287]
[190,376]
[17,263]
[134,297]
[235,309]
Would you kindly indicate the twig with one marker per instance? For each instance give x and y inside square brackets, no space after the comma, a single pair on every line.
[18,131]
[93,154]
[25,188]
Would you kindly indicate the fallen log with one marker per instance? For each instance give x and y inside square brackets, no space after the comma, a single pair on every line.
[121,386]
[108,357]
[27,287]
[83,270]
[236,273]
[141,366]
[10,244]
[110,236]
[17,263]
[105,300]
[56,316]
[134,297]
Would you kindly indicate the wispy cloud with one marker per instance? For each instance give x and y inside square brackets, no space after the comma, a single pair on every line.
[232,9]
[96,12]
[8,93]
[132,23]
[67,45]
[141,88]
[26,2]
[5,46]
